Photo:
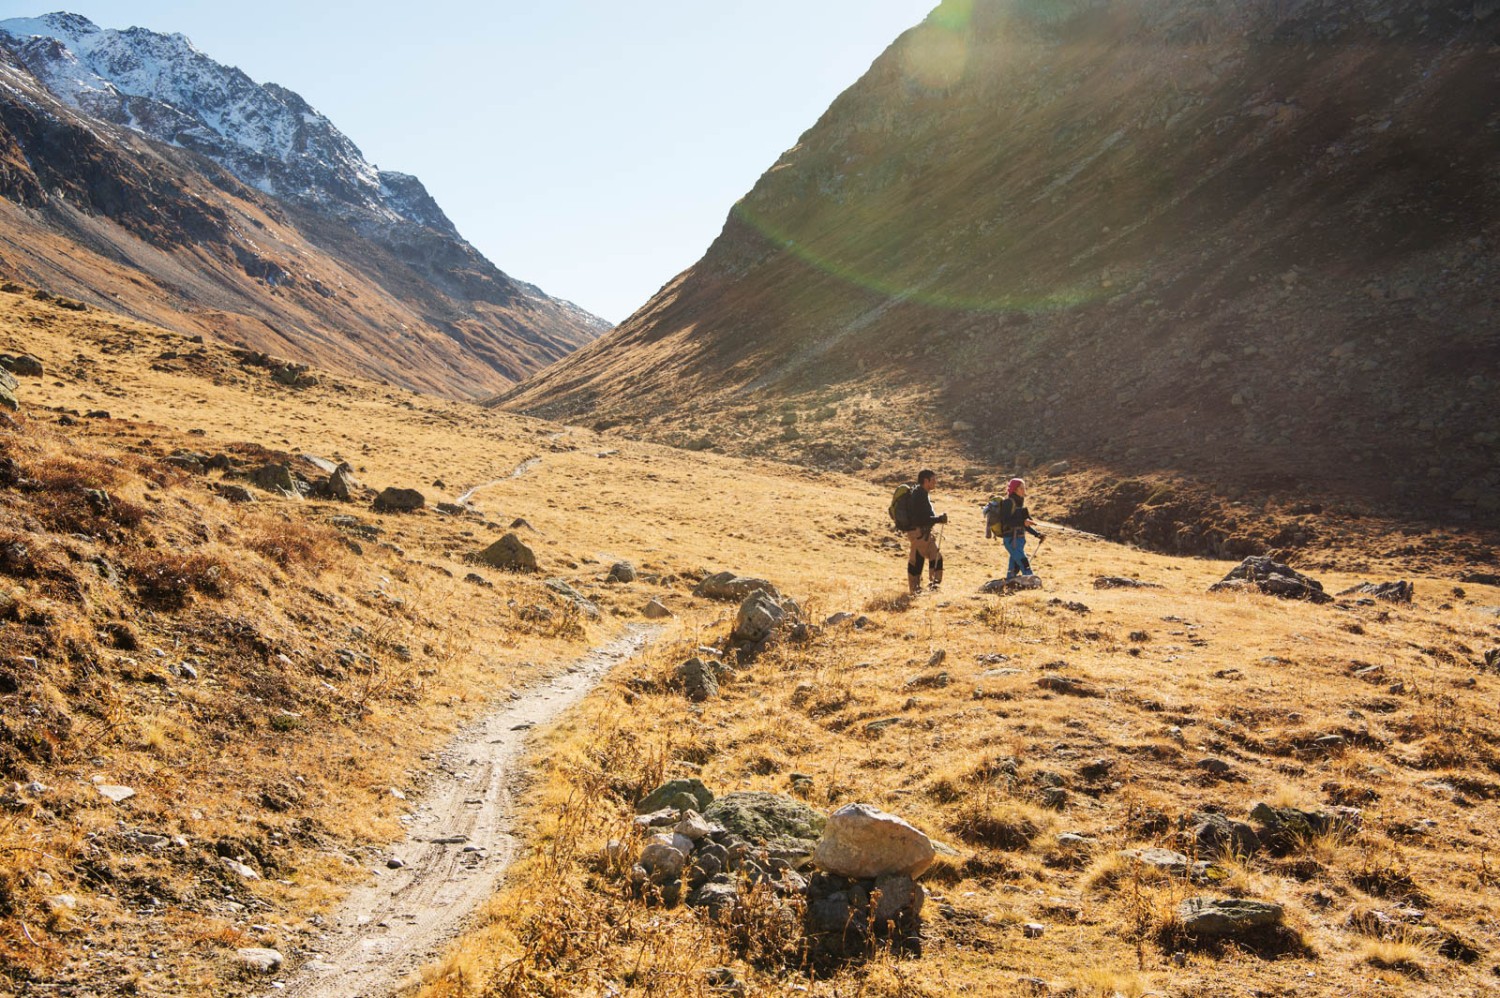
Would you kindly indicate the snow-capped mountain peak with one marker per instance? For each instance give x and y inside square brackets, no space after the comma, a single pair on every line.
[267,135]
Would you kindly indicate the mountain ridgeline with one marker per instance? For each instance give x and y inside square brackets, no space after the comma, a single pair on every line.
[1247,240]
[140,175]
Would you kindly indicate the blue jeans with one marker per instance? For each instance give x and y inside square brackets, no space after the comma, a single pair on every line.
[1015,545]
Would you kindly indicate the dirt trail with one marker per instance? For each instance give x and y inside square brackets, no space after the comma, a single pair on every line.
[519,471]
[457,847]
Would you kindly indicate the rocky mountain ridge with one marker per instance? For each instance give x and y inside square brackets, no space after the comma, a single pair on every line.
[262,222]
[1250,242]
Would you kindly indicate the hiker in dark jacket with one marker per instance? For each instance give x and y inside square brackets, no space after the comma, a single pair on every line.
[924,547]
[1015,524]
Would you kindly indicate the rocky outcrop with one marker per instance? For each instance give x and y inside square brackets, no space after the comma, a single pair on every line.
[1262,574]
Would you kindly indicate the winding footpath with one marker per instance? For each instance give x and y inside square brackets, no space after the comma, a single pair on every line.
[457,849]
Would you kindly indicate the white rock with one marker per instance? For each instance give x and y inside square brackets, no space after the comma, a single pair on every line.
[117,794]
[863,842]
[663,858]
[241,870]
[694,827]
[265,961]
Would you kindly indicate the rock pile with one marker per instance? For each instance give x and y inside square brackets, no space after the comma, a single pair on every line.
[854,872]
[1260,573]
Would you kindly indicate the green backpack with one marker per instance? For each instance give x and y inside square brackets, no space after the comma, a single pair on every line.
[900,507]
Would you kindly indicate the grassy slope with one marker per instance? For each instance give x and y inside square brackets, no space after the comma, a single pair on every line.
[222,761]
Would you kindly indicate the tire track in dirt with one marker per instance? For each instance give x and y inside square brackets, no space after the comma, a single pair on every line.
[388,929]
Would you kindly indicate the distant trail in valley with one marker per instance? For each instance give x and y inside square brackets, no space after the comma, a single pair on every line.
[388,929]
[519,471]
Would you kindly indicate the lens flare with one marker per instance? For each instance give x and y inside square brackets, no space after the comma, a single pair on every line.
[935,57]
[993,299]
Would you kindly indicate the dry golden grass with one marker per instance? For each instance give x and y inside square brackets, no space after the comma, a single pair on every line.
[290,762]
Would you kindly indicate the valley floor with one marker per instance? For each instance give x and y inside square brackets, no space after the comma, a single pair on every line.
[275,683]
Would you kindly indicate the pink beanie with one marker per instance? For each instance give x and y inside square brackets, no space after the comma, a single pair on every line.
[1014,485]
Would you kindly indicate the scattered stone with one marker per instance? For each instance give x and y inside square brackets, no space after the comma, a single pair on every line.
[699,682]
[664,856]
[261,961]
[1218,918]
[275,478]
[240,869]
[1004,587]
[1215,833]
[1120,582]
[1283,829]
[1033,930]
[584,605]
[728,586]
[1395,592]
[1260,572]
[622,572]
[861,841]
[340,485]
[234,493]
[699,797]
[1054,798]
[24,365]
[508,553]
[1067,685]
[1215,767]
[394,500]
[694,827]
[395,863]
[759,618]
[655,610]
[115,793]
[838,619]
[475,579]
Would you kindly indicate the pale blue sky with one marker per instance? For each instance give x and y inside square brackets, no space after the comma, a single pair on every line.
[591,147]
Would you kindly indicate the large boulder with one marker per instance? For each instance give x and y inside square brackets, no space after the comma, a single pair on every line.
[1260,572]
[728,586]
[508,553]
[862,841]
[394,500]
[1221,918]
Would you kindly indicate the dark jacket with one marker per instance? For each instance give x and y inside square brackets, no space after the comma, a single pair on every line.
[919,509]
